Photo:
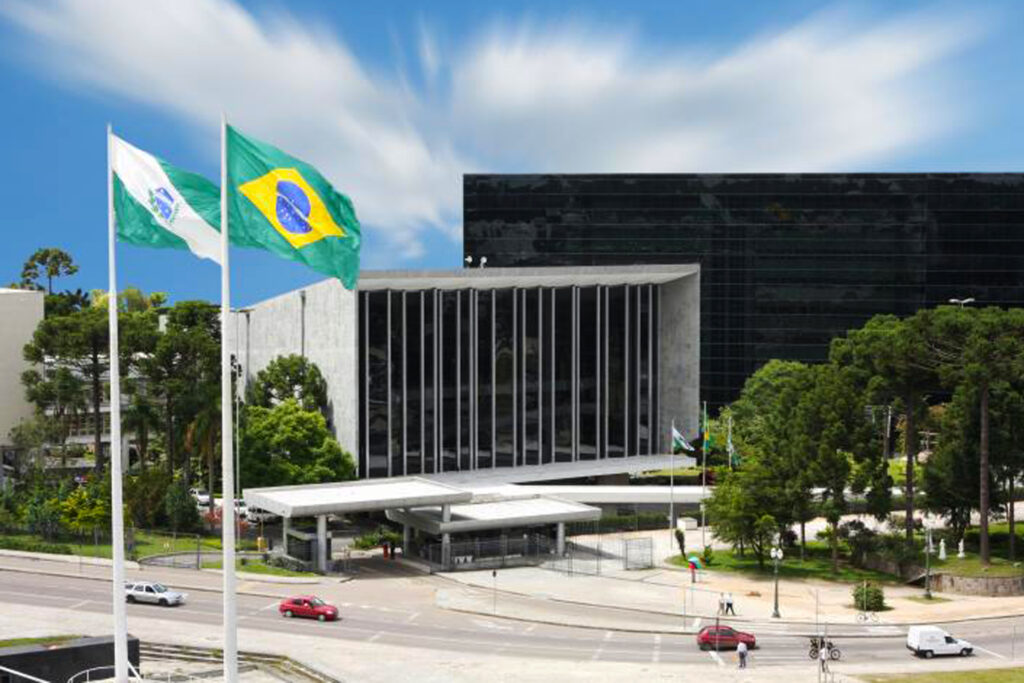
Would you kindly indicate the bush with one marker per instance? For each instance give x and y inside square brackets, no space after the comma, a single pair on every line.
[33,546]
[708,557]
[868,597]
[377,537]
[681,540]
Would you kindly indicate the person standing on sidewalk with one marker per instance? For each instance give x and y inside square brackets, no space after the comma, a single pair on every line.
[728,605]
[741,650]
[823,657]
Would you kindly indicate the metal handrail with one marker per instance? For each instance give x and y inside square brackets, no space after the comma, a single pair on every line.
[27,677]
[134,674]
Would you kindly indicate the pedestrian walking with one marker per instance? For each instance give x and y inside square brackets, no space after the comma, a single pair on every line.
[823,657]
[721,603]
[741,650]
[728,605]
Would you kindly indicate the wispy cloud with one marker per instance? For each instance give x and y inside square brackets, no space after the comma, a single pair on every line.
[827,93]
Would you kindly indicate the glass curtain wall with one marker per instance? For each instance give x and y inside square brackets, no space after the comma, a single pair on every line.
[459,380]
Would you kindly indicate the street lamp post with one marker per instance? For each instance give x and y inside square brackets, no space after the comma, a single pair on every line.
[928,564]
[776,554]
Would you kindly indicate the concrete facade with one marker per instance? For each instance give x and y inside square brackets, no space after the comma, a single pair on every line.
[318,322]
[21,310]
[322,323]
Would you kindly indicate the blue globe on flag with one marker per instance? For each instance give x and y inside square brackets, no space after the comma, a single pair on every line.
[293,207]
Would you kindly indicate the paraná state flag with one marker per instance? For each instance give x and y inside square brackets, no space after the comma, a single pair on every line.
[279,203]
[678,442]
[159,205]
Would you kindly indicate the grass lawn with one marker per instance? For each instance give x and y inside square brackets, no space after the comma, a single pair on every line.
[679,472]
[145,544]
[45,640]
[257,567]
[971,566]
[983,676]
[934,600]
[816,565]
[898,471]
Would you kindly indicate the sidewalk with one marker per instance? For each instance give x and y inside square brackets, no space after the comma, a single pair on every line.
[667,590]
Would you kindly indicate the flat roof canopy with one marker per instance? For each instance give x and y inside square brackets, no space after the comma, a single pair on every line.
[520,512]
[547,276]
[354,496]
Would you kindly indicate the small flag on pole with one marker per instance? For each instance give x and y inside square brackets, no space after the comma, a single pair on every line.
[708,441]
[679,443]
[284,205]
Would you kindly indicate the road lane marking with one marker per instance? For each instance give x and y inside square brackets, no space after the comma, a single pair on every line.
[80,604]
[529,629]
[270,606]
[656,655]
[987,651]
[412,617]
[374,637]
[714,656]
[608,635]
[696,624]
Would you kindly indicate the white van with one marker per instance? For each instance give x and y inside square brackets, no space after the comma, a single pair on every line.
[928,641]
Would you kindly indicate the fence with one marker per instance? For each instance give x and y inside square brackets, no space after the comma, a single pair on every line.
[488,553]
[596,555]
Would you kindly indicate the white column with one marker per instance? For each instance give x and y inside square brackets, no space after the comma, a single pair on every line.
[286,525]
[560,539]
[321,542]
[406,538]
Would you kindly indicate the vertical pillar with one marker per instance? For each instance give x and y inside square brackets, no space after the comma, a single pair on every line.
[388,293]
[286,524]
[446,538]
[321,542]
[560,539]
[406,538]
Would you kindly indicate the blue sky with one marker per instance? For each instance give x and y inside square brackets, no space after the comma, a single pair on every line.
[395,100]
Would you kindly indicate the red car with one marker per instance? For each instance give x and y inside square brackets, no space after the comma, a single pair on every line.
[723,638]
[308,606]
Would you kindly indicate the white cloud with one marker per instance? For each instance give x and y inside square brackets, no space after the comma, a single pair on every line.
[829,93]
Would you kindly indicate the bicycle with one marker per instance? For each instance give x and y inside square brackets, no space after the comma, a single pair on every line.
[865,617]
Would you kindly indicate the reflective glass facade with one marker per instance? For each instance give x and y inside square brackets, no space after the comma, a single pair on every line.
[467,379]
[787,261]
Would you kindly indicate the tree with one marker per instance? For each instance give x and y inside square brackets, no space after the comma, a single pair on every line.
[979,347]
[288,445]
[129,300]
[887,354]
[290,377]
[50,263]
[140,416]
[180,508]
[58,395]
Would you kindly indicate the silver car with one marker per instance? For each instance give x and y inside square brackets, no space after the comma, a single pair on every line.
[156,593]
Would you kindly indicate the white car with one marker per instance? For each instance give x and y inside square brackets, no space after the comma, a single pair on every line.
[928,641]
[155,593]
[201,496]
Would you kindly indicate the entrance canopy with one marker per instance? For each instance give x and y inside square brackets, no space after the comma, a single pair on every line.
[498,514]
[354,496]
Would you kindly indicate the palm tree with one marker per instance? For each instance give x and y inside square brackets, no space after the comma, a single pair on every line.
[140,417]
[202,435]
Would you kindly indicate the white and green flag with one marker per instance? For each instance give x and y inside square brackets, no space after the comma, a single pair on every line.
[158,205]
[678,442]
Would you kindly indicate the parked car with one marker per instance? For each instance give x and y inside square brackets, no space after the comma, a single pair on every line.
[723,638]
[156,593]
[202,497]
[308,606]
[928,641]
[257,515]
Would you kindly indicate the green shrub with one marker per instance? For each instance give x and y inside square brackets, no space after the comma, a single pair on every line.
[868,597]
[33,546]
[708,557]
[377,537]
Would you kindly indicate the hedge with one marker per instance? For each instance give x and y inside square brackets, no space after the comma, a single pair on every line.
[33,546]
[868,597]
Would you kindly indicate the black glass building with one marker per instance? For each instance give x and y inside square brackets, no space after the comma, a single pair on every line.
[787,261]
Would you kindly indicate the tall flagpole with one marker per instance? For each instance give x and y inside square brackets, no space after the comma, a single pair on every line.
[227,486]
[116,504]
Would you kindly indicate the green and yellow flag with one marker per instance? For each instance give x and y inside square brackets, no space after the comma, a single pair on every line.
[279,203]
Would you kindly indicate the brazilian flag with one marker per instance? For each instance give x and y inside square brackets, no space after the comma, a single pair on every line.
[279,203]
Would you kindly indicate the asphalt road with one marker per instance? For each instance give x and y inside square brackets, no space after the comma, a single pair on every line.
[422,626]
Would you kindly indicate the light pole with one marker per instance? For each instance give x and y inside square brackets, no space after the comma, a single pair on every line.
[962,302]
[776,554]
[928,564]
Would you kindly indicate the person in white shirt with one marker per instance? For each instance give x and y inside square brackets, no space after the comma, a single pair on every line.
[741,650]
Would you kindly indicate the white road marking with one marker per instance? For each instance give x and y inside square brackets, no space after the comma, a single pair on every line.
[656,655]
[714,656]
[374,637]
[80,604]
[412,617]
[608,635]
[270,606]
[696,624]
[987,651]
[529,629]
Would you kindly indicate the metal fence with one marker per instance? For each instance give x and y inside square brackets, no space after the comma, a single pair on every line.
[488,553]
[597,555]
